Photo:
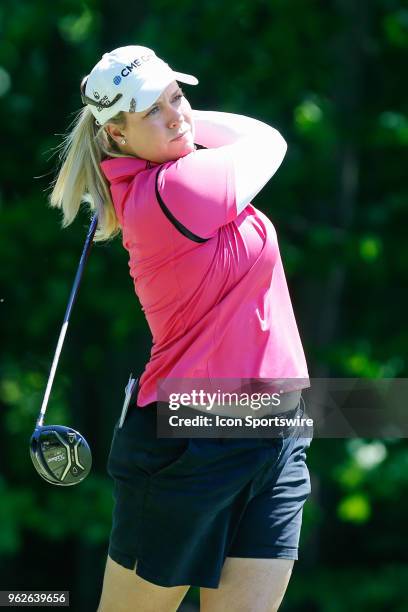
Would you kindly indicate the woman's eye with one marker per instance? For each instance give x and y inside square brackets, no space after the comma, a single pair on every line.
[178,97]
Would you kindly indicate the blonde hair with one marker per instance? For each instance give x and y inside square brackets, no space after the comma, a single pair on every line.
[80,179]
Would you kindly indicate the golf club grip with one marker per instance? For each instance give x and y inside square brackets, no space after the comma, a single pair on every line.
[71,301]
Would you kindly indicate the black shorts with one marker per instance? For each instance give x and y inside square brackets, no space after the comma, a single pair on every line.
[182,505]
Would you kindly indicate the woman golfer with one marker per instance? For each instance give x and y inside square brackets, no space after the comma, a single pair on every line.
[223,514]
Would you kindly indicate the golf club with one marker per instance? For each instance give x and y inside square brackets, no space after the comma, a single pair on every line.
[60,454]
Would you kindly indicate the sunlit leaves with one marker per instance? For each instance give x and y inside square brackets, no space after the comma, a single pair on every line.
[312,119]
[355,508]
[308,115]
[392,128]
[370,248]
[76,28]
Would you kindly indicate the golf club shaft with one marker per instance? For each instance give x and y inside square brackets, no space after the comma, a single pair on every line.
[74,291]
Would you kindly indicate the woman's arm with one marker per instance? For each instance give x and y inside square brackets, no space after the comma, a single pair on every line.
[257,149]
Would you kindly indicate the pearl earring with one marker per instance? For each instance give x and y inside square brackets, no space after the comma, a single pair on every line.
[123,141]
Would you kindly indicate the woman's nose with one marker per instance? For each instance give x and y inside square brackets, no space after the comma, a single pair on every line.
[175,118]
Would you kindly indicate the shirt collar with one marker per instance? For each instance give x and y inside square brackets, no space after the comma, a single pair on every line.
[117,169]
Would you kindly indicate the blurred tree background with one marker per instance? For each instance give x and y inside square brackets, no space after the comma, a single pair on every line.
[330,76]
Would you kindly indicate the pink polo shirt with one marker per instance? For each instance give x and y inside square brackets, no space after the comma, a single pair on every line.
[218,308]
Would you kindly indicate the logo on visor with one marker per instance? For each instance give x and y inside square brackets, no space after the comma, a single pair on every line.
[135,64]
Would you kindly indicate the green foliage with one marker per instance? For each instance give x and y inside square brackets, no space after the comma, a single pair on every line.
[354,588]
[85,510]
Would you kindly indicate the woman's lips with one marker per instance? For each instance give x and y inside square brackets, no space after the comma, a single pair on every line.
[180,137]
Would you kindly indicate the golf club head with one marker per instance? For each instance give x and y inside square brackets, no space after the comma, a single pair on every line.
[60,454]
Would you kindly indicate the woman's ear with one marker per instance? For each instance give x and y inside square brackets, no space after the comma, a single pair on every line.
[114,132]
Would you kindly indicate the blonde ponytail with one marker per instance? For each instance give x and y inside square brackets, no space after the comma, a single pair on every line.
[80,179]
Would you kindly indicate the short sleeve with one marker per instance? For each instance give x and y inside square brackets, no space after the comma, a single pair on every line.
[199,190]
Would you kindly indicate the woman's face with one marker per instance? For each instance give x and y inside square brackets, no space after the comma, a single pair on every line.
[150,133]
